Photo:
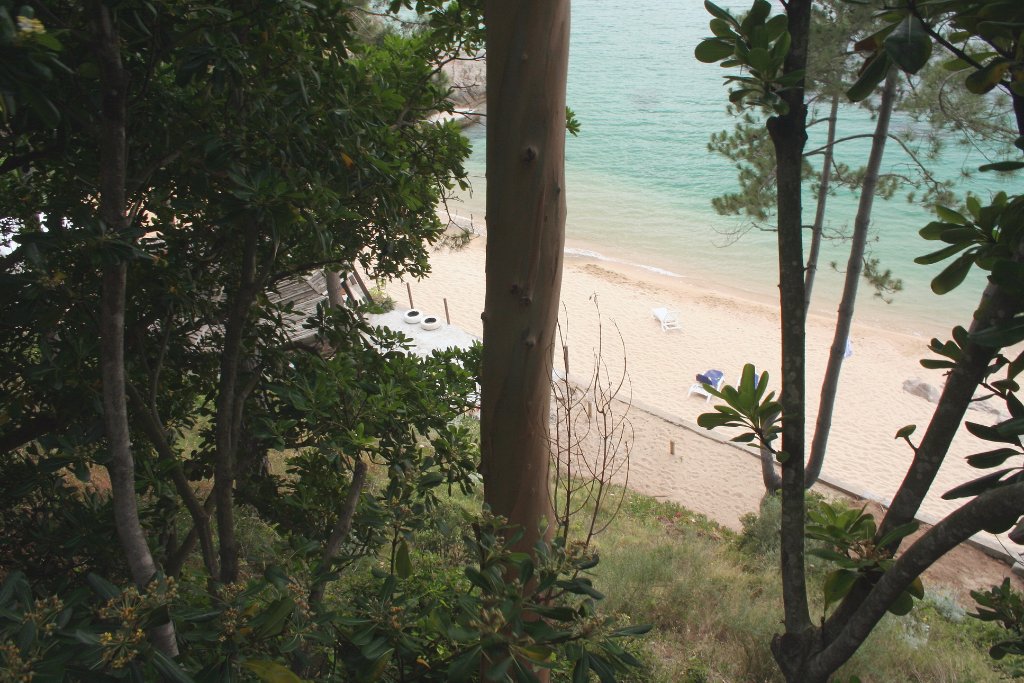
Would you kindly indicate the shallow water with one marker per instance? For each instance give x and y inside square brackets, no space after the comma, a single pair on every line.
[640,178]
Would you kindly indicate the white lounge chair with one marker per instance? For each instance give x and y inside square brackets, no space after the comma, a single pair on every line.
[669,319]
[713,378]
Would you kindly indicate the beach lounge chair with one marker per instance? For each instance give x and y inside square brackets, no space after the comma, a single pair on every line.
[669,319]
[714,378]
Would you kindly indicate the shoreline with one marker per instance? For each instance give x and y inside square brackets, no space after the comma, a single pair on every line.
[915,312]
[918,329]
[721,329]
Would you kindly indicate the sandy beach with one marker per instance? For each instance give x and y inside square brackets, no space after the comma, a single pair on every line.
[719,329]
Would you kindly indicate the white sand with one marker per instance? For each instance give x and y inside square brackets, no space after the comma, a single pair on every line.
[720,330]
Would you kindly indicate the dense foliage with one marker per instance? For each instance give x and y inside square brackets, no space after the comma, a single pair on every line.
[982,40]
[195,483]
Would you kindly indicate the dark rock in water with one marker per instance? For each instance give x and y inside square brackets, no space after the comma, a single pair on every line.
[922,389]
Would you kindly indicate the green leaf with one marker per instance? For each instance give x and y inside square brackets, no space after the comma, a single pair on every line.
[103,588]
[759,11]
[988,77]
[902,605]
[271,621]
[940,255]
[959,235]
[1014,427]
[988,433]
[1008,274]
[988,459]
[722,29]
[954,274]
[950,216]
[719,13]
[638,630]
[956,64]
[774,29]
[832,556]
[905,431]
[403,563]
[498,671]
[581,671]
[715,420]
[871,75]
[540,654]
[713,50]
[934,364]
[1007,334]
[466,667]
[838,584]
[604,672]
[934,230]
[169,669]
[271,672]
[977,486]
[909,46]
[760,60]
[1002,166]
[898,533]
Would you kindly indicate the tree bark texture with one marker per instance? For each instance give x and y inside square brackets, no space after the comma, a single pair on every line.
[854,268]
[112,201]
[789,135]
[527,67]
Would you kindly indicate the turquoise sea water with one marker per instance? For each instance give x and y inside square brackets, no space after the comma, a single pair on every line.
[640,179]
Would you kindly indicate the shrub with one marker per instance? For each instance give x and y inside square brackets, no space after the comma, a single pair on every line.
[381,301]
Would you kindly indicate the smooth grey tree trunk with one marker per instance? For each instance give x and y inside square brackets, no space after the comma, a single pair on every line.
[854,268]
[824,184]
[112,204]
[527,67]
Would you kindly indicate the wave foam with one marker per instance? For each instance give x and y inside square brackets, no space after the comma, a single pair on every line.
[598,256]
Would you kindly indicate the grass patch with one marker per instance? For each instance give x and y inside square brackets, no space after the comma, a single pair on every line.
[715,608]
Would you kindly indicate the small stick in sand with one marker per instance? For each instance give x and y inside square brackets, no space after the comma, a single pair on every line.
[408,288]
[671,447]
[447,318]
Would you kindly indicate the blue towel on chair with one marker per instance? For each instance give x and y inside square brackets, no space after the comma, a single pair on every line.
[712,377]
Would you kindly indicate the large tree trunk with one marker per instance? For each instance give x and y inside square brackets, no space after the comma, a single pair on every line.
[854,267]
[527,67]
[789,135]
[112,201]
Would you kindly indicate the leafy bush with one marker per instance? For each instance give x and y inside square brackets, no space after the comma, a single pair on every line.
[381,301]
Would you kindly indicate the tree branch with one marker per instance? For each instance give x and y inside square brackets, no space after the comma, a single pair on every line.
[993,509]
[342,527]
[200,519]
